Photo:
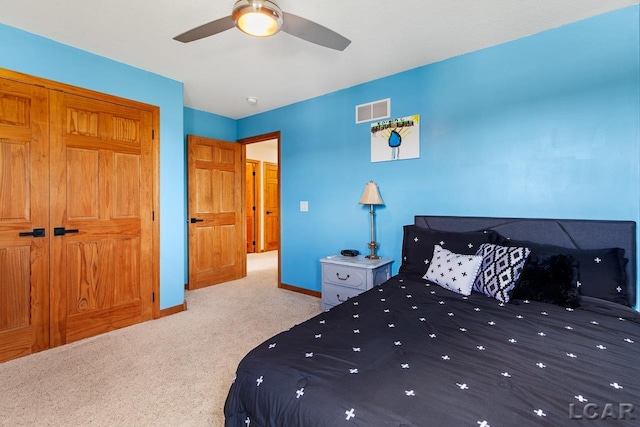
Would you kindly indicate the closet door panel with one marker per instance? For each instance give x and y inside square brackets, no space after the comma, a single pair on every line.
[24,216]
[101,201]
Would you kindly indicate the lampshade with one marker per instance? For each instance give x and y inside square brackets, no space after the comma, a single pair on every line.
[371,195]
[260,18]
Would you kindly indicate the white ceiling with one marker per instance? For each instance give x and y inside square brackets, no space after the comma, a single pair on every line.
[219,72]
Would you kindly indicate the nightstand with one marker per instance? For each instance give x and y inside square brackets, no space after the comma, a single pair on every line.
[345,277]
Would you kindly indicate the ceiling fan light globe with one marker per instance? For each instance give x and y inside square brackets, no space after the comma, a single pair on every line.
[257,24]
[259,18]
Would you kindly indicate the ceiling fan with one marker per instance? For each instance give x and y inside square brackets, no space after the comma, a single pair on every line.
[263,18]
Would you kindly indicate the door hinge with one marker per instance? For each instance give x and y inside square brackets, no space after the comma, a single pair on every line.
[153,134]
[253,208]
[153,297]
[254,173]
[153,215]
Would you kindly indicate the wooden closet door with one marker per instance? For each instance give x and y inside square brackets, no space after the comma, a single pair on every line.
[101,207]
[24,207]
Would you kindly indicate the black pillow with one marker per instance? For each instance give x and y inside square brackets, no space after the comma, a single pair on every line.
[418,244]
[549,278]
[601,272]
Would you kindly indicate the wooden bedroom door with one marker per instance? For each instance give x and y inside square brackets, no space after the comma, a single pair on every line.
[217,223]
[271,207]
[101,214]
[252,186]
[24,208]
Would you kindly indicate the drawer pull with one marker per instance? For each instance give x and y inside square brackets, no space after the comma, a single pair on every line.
[340,299]
[342,278]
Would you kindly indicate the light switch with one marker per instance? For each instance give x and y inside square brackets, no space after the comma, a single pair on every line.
[304,206]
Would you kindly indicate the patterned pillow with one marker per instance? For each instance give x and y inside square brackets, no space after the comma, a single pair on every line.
[602,274]
[452,271]
[418,244]
[500,270]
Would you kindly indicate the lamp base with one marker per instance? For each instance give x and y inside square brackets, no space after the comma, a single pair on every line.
[372,246]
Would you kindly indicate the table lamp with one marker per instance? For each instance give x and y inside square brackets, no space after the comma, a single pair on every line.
[371,197]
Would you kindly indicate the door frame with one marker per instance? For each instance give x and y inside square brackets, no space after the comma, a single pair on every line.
[261,138]
[155,114]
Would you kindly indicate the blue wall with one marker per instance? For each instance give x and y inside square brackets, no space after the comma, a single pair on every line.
[31,54]
[209,125]
[544,126]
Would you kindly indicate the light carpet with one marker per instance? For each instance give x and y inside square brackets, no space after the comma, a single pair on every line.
[173,371]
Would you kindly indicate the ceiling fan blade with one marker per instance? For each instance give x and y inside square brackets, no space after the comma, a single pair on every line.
[206,30]
[312,32]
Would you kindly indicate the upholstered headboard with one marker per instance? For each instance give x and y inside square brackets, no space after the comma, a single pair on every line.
[570,233]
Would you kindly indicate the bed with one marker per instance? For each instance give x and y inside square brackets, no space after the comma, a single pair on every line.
[546,335]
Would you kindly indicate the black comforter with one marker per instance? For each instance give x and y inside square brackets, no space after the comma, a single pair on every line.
[409,353]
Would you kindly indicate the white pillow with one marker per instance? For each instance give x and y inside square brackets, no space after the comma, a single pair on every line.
[453,271]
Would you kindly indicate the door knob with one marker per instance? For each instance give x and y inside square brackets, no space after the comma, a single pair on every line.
[37,232]
[61,231]
[194,220]
[268,212]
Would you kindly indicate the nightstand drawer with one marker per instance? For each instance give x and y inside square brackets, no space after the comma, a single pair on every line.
[333,295]
[342,275]
[345,277]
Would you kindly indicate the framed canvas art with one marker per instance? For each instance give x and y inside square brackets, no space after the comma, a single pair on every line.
[396,139]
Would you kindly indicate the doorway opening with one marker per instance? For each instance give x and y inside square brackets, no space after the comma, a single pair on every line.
[262,198]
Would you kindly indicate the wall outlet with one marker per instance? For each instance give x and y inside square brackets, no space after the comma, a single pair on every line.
[304,206]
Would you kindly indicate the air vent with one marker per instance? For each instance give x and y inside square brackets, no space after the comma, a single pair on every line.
[373,111]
